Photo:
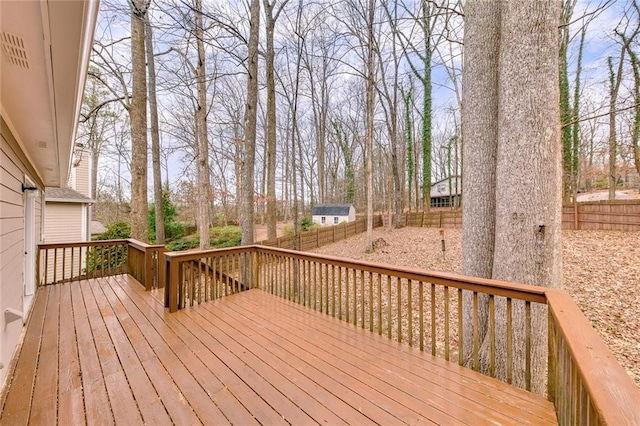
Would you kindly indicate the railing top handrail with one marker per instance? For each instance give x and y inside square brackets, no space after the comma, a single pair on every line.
[82,244]
[143,246]
[613,393]
[499,288]
[198,254]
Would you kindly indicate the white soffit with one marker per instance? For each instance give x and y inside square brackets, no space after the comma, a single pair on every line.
[44,53]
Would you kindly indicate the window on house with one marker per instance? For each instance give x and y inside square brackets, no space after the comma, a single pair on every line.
[323,220]
[335,220]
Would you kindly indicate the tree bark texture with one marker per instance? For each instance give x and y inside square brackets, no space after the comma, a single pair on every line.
[271,123]
[369,130]
[480,130]
[155,138]
[138,120]
[528,169]
[204,182]
[250,120]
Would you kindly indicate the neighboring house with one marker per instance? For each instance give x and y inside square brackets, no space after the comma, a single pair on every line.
[44,56]
[66,216]
[447,192]
[333,214]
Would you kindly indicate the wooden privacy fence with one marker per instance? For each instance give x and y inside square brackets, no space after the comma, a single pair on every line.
[323,235]
[431,311]
[622,215]
[63,262]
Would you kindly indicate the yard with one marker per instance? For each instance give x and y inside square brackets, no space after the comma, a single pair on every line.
[601,272]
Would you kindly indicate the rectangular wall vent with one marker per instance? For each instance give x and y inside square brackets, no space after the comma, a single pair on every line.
[14,50]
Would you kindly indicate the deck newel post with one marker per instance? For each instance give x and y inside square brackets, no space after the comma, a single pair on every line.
[173,287]
[148,268]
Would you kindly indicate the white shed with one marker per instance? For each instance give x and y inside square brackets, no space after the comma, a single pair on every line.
[333,214]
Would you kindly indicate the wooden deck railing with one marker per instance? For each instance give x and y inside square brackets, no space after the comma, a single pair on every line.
[201,276]
[62,262]
[430,311]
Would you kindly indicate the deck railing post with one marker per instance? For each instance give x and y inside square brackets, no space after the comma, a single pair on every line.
[148,268]
[173,287]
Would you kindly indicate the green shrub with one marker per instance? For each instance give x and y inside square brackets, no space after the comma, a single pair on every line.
[219,237]
[306,223]
[106,257]
[119,230]
[225,236]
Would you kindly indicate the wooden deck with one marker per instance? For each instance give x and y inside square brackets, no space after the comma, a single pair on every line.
[105,351]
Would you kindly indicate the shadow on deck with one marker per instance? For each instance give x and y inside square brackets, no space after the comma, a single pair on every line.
[104,351]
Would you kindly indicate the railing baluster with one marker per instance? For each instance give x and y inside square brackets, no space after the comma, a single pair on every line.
[340,292]
[389,308]
[421,313]
[447,337]
[460,330]
[380,304]
[433,319]
[370,301]
[362,298]
[492,336]
[399,307]
[527,373]
[355,298]
[346,292]
[476,326]
[409,313]
[509,341]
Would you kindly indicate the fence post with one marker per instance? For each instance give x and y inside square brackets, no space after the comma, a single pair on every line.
[576,221]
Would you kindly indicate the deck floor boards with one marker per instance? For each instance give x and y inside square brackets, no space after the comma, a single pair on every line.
[104,351]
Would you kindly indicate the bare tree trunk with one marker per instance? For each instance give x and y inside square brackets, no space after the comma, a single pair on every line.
[251,116]
[480,131]
[155,138]
[203,176]
[369,128]
[138,114]
[528,246]
[271,118]
[528,168]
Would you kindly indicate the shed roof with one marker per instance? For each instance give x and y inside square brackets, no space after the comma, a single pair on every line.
[65,195]
[331,209]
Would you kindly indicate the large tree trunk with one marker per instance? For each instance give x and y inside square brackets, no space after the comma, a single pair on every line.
[155,139]
[527,164]
[204,182]
[369,127]
[138,115]
[480,131]
[528,246]
[250,118]
[271,122]
[426,109]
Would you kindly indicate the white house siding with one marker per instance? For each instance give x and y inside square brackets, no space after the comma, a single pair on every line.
[65,223]
[80,177]
[12,245]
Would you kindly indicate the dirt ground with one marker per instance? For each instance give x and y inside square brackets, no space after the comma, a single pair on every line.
[601,272]
[261,230]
